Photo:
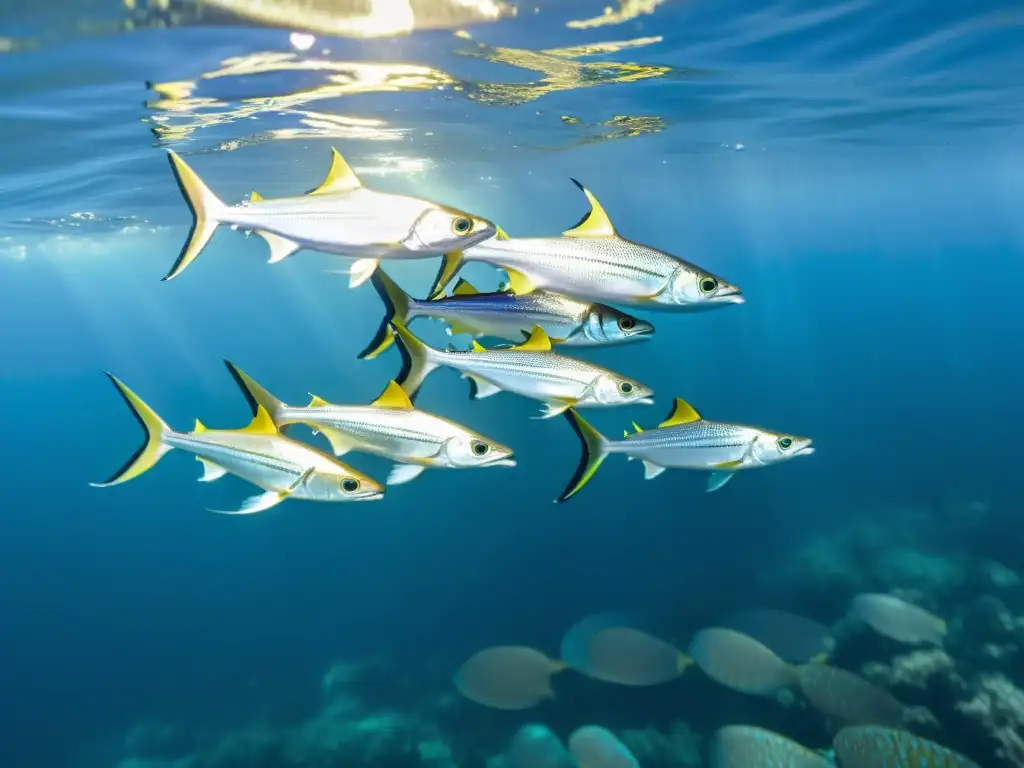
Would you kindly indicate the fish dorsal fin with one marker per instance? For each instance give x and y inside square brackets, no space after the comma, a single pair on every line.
[519,283]
[199,428]
[476,346]
[393,396]
[500,234]
[255,197]
[464,288]
[316,402]
[261,423]
[637,428]
[596,223]
[341,177]
[538,341]
[682,413]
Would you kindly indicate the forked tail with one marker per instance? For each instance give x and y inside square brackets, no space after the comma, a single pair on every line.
[418,360]
[152,450]
[396,303]
[205,207]
[595,451]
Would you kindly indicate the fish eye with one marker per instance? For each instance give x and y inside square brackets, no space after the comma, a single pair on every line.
[627,323]
[349,485]
[785,443]
[479,448]
[708,285]
[625,387]
[462,225]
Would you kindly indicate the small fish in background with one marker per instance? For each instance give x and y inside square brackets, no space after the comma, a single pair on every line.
[793,638]
[874,746]
[592,746]
[506,315]
[850,699]
[282,467]
[389,426]
[591,261]
[529,369]
[341,216]
[747,746]
[740,662]
[685,440]
[629,656]
[507,677]
[535,746]
[899,620]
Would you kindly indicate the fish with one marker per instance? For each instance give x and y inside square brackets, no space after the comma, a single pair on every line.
[685,440]
[592,746]
[850,699]
[871,745]
[259,453]
[740,662]
[747,746]
[536,746]
[592,261]
[390,426]
[506,315]
[510,677]
[793,638]
[340,216]
[529,369]
[628,656]
[899,620]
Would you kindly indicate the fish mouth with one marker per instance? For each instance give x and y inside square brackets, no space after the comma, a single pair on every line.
[645,401]
[506,462]
[370,496]
[807,450]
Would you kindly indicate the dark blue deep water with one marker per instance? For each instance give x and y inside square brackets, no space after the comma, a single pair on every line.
[855,167]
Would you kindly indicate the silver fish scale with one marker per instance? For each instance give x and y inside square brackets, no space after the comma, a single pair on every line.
[695,434]
[541,366]
[369,425]
[229,456]
[539,307]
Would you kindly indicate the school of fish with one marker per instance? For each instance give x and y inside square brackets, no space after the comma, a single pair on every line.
[560,292]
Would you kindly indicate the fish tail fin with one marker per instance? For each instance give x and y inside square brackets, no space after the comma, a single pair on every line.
[418,360]
[255,394]
[397,305]
[152,450]
[595,451]
[205,207]
[451,263]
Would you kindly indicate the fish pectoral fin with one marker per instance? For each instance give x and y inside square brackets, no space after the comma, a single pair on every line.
[480,388]
[361,271]
[403,473]
[268,499]
[652,470]
[554,408]
[211,470]
[280,247]
[455,327]
[341,443]
[718,479]
[537,341]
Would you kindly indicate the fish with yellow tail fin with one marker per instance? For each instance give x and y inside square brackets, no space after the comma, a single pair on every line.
[530,369]
[591,261]
[259,453]
[507,315]
[390,426]
[686,440]
[341,216]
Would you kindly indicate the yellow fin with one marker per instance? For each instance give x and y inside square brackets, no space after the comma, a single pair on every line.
[255,197]
[625,433]
[199,428]
[393,396]
[637,428]
[316,402]
[464,288]
[261,423]
[538,342]
[596,223]
[341,177]
[341,443]
[500,235]
[519,283]
[682,413]
[456,327]
[728,464]
[476,346]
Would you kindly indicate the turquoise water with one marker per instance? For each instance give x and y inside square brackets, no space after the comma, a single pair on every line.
[854,167]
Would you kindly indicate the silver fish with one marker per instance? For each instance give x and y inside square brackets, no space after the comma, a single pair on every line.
[685,440]
[341,216]
[389,427]
[505,315]
[591,261]
[282,467]
[530,369]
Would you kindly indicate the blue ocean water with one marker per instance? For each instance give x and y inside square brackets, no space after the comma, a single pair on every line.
[853,166]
